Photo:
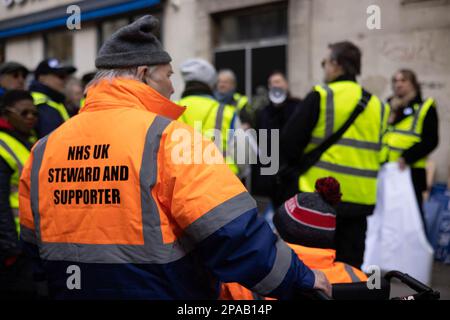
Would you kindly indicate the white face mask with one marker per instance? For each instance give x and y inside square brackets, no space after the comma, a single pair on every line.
[277,95]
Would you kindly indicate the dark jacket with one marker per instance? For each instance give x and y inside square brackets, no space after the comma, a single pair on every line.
[9,239]
[429,140]
[297,134]
[49,118]
[269,118]
[195,88]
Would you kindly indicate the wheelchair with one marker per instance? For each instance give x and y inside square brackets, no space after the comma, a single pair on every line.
[361,291]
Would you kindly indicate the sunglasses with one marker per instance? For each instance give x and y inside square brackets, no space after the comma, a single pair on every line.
[25,113]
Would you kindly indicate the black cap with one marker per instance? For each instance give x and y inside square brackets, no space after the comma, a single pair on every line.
[53,66]
[11,67]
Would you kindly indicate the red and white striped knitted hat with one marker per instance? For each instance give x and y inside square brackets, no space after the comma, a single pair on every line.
[309,219]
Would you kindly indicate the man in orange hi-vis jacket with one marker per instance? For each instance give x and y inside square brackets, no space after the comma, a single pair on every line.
[111,206]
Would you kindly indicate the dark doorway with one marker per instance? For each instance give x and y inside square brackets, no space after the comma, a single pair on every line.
[252,42]
[252,65]
[234,60]
[265,60]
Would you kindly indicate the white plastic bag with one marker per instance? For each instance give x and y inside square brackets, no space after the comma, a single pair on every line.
[395,234]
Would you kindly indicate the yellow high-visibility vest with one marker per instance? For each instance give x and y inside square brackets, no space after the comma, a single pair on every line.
[40,98]
[407,132]
[212,115]
[15,155]
[355,159]
[240,101]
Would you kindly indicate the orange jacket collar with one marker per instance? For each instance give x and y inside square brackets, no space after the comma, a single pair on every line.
[315,258]
[129,93]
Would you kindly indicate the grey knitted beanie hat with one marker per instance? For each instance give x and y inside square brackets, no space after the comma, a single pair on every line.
[133,45]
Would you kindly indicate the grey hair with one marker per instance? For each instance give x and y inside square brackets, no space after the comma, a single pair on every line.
[110,74]
[229,73]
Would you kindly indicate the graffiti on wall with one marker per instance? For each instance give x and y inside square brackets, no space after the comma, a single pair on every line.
[430,48]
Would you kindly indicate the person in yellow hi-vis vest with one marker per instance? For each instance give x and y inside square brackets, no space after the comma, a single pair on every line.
[48,93]
[354,159]
[18,116]
[204,112]
[413,131]
[226,92]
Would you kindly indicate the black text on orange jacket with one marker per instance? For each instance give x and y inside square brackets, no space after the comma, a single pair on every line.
[112,213]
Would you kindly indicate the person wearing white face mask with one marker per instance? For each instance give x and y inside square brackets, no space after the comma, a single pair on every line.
[278,88]
[274,116]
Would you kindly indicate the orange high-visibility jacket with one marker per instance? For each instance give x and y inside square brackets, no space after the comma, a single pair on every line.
[118,202]
[324,260]
[235,291]
[319,259]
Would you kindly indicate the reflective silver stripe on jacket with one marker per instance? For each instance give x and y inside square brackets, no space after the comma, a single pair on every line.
[347,170]
[11,152]
[154,250]
[351,273]
[279,270]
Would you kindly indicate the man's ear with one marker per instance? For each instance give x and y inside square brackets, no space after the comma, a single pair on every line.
[141,70]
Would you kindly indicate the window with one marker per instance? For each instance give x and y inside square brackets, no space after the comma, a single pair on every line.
[252,43]
[234,60]
[251,65]
[107,28]
[250,25]
[59,45]
[261,69]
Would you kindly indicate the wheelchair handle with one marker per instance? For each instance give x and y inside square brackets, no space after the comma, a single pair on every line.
[408,280]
